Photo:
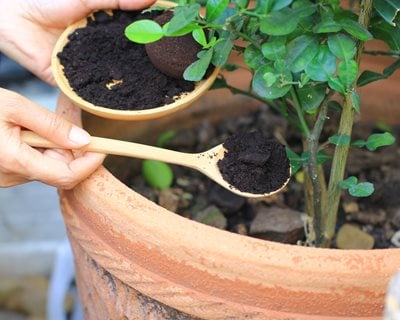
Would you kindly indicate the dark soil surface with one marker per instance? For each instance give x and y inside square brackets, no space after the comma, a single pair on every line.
[195,196]
[108,70]
[254,164]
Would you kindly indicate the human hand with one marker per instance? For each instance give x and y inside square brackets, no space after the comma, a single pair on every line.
[20,163]
[29,29]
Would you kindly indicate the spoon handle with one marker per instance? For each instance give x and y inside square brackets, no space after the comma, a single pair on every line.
[120,148]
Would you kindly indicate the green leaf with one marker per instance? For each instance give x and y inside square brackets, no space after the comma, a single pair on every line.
[335,84]
[327,26]
[262,86]
[378,140]
[348,72]
[342,46]
[322,66]
[356,30]
[214,9]
[304,8]
[359,143]
[340,139]
[311,98]
[200,36]
[280,4]
[370,76]
[355,99]
[183,16]
[181,32]
[279,23]
[321,157]
[222,50]
[253,57]
[387,33]
[347,183]
[144,31]
[294,159]
[362,189]
[300,52]
[157,174]
[388,9]
[197,70]
[274,48]
[165,137]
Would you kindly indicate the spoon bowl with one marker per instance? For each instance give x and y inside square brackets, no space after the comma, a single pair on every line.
[205,162]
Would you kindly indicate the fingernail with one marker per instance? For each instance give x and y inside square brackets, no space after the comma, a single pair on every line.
[79,136]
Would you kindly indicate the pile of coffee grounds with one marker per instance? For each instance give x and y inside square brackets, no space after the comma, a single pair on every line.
[179,51]
[108,70]
[254,164]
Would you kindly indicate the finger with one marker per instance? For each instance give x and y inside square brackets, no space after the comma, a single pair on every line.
[23,112]
[118,4]
[58,167]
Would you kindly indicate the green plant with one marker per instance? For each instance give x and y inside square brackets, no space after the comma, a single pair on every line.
[158,174]
[301,53]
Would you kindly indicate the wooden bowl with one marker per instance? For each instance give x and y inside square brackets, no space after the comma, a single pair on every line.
[181,102]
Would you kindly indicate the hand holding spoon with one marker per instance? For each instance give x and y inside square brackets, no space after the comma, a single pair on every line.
[205,162]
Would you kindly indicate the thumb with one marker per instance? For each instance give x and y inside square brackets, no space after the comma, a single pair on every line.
[119,4]
[27,114]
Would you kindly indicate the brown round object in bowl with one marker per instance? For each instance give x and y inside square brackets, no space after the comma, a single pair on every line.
[172,55]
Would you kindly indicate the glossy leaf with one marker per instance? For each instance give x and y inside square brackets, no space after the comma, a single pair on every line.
[157,174]
[340,140]
[222,51]
[262,86]
[378,140]
[198,69]
[304,8]
[347,183]
[388,9]
[311,98]
[362,189]
[200,36]
[294,159]
[348,72]
[253,57]
[342,46]
[387,33]
[322,66]
[300,52]
[274,48]
[279,23]
[371,76]
[327,26]
[335,84]
[280,4]
[214,8]
[183,16]
[356,30]
[144,31]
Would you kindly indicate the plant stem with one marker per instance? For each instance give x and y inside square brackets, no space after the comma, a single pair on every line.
[297,106]
[341,152]
[382,53]
[315,173]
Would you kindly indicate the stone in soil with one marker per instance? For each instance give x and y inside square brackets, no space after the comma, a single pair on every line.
[211,216]
[351,237]
[228,201]
[100,54]
[277,224]
[172,55]
[254,164]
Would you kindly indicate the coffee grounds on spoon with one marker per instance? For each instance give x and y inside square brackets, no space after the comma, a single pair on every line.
[254,164]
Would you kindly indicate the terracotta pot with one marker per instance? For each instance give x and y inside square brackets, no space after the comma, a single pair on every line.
[136,260]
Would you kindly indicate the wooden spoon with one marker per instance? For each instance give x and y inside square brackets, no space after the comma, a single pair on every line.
[205,162]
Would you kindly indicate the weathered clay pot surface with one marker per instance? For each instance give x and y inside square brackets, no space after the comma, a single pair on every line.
[143,250]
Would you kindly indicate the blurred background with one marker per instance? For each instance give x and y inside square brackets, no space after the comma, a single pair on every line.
[36,267]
